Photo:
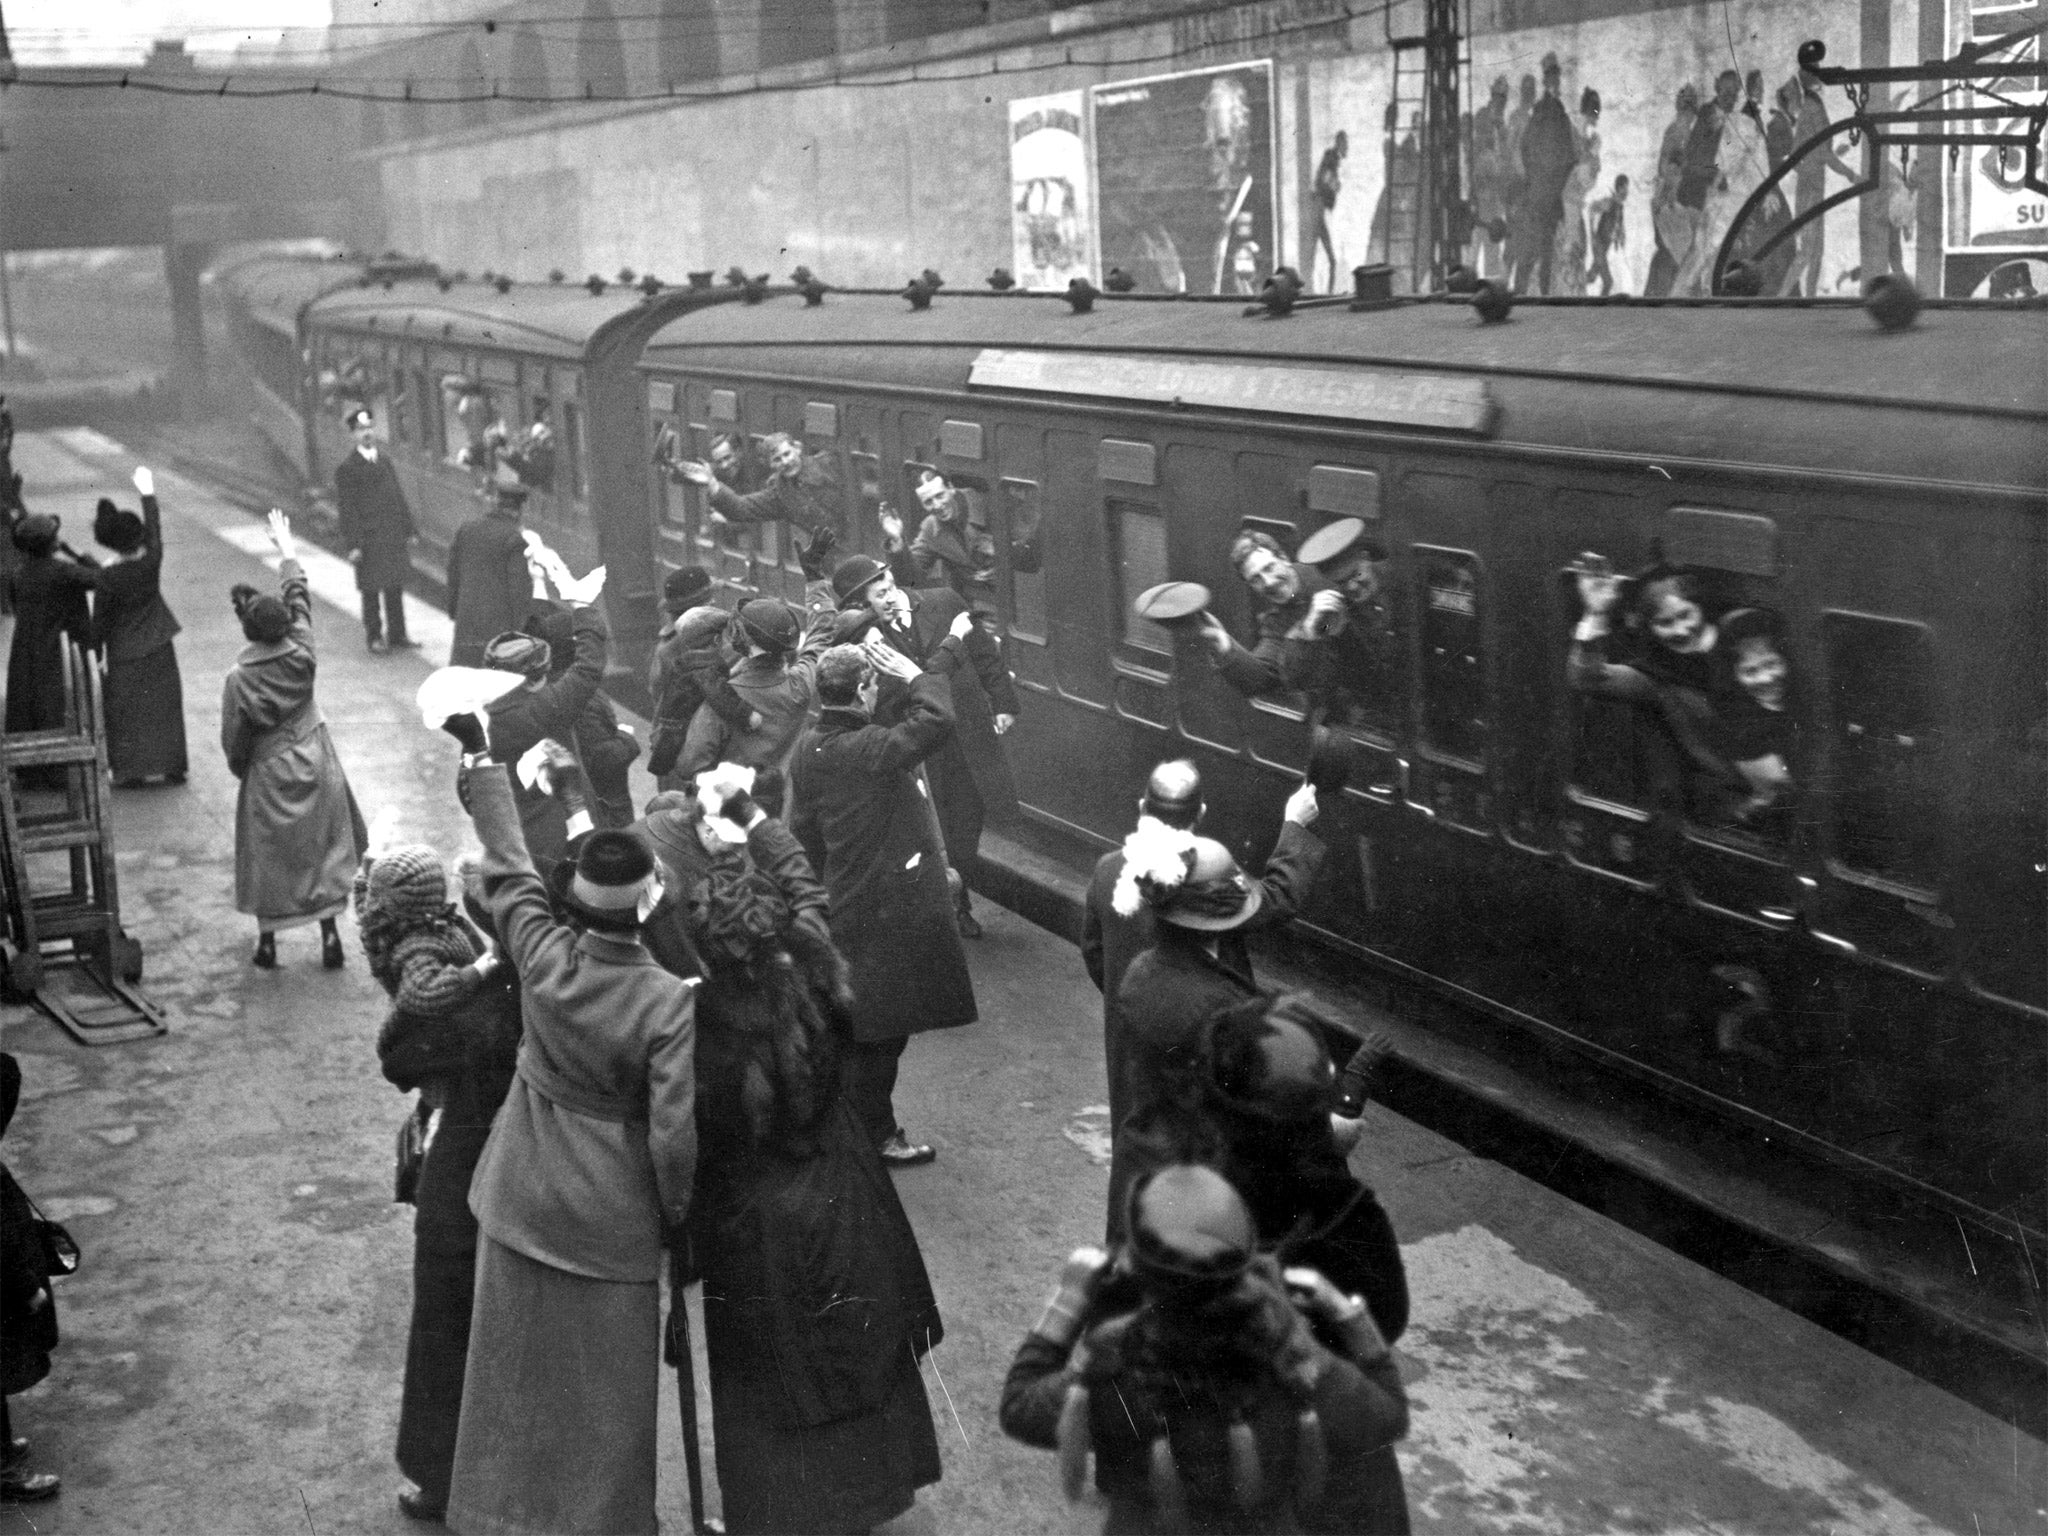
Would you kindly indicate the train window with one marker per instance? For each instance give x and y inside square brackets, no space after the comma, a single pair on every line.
[1024,529]
[468,412]
[867,486]
[1886,808]
[572,448]
[427,401]
[946,526]
[1454,709]
[1138,538]
[530,444]
[2009,928]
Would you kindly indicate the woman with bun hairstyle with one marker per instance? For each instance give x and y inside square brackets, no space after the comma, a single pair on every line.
[298,834]
[1216,1392]
[132,629]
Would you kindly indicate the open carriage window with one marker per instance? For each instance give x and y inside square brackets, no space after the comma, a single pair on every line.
[1886,808]
[1023,529]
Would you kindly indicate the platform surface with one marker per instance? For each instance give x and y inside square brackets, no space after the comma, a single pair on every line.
[234,1343]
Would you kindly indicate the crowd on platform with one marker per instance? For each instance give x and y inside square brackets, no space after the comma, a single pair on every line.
[666,1037]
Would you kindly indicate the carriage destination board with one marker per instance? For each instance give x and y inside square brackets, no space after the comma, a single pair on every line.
[1441,402]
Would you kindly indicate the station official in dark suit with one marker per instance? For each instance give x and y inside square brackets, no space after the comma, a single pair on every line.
[1111,940]
[377,529]
[969,774]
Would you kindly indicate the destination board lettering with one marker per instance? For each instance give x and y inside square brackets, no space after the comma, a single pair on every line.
[1440,402]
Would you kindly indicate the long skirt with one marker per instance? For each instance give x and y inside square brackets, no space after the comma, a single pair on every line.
[436,1355]
[145,702]
[298,835]
[558,1403]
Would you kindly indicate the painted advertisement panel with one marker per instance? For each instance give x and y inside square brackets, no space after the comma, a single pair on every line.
[1996,226]
[1187,180]
[1052,203]
[1610,155]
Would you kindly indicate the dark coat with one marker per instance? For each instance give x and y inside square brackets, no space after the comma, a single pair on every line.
[861,817]
[375,520]
[489,589]
[688,670]
[981,691]
[1168,993]
[1110,941]
[527,715]
[49,593]
[1362,1409]
[145,696]
[26,1337]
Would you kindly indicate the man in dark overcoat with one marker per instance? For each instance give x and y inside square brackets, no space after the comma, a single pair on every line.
[860,814]
[1111,940]
[969,774]
[489,586]
[377,530]
[801,492]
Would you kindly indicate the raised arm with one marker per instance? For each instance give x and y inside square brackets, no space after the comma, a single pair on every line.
[560,703]
[518,900]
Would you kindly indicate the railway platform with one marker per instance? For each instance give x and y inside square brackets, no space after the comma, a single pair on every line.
[234,1340]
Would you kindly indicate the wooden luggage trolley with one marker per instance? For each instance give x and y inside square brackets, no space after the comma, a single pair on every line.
[65,950]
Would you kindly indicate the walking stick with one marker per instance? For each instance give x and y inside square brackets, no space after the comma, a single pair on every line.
[677,1348]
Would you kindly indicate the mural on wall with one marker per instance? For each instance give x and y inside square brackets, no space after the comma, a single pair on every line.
[1051,196]
[1612,155]
[1997,227]
[1186,178]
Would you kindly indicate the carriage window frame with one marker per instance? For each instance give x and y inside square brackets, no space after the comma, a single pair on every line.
[1931,739]
[1287,703]
[1006,542]
[1133,646]
[1420,557]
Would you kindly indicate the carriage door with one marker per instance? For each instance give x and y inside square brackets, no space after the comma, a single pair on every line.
[1450,773]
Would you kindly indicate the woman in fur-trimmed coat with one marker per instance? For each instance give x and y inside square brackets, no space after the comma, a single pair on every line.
[817,1307]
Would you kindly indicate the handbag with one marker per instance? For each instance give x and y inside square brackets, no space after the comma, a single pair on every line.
[411,1153]
[58,1247]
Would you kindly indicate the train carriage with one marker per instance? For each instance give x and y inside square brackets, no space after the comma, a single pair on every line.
[266,301]
[461,376]
[1865,974]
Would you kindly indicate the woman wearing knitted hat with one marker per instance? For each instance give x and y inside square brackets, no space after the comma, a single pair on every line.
[298,833]
[132,629]
[453,1033]
[817,1306]
[1217,1393]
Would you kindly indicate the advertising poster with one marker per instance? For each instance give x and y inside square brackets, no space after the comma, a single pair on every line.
[1052,232]
[1185,173]
[1996,222]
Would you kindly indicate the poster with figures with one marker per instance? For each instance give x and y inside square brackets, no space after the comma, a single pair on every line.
[1615,153]
[1186,176]
[1995,222]
[1052,233]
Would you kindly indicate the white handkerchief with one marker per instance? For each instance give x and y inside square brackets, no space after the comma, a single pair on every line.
[456,691]
[532,766]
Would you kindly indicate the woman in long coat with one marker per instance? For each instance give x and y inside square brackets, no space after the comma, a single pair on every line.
[132,627]
[49,589]
[817,1307]
[453,1033]
[298,834]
